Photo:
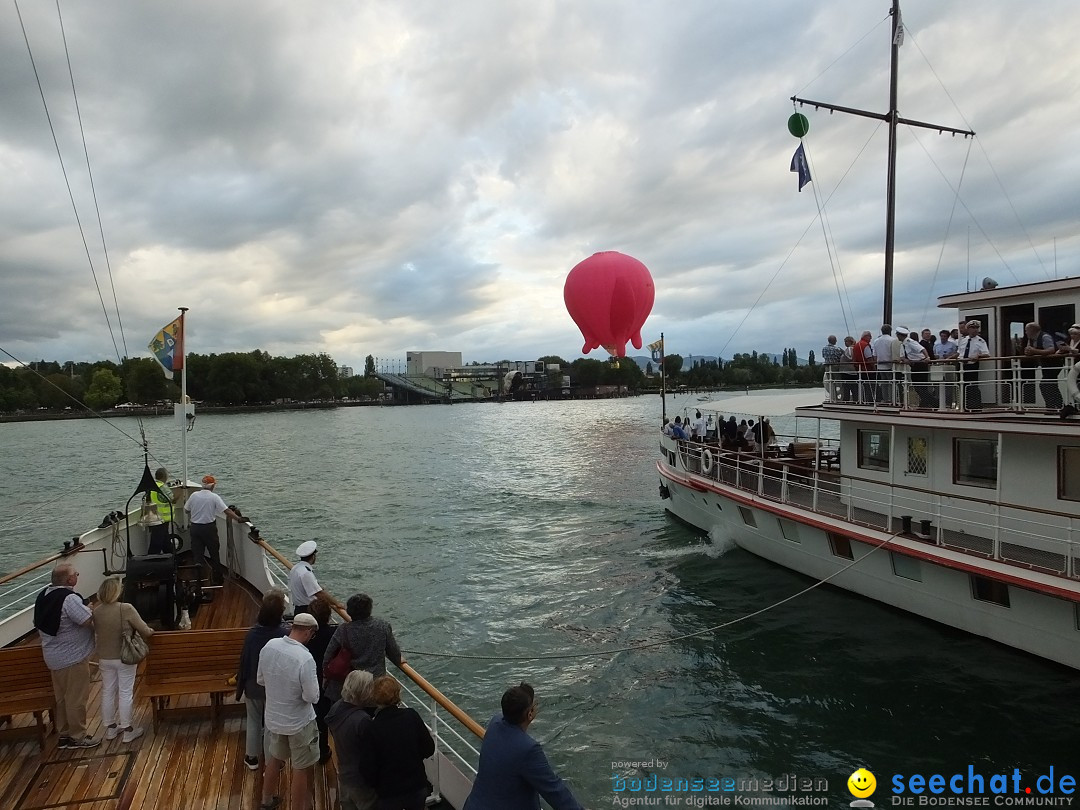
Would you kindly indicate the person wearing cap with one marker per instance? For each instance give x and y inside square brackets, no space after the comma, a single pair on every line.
[971,349]
[303,587]
[1037,350]
[514,772]
[204,507]
[287,672]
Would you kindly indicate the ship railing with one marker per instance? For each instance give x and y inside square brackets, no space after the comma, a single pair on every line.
[997,383]
[1015,534]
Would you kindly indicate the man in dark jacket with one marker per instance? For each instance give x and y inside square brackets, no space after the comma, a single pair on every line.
[513,771]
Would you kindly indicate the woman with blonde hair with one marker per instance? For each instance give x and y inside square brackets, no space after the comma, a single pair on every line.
[393,751]
[113,619]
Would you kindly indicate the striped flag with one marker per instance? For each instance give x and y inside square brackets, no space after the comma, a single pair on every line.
[168,347]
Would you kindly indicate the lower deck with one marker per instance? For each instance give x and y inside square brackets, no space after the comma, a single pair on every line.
[185,764]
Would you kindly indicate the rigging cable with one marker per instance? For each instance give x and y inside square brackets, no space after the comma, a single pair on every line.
[93,188]
[993,171]
[948,228]
[74,399]
[833,262]
[802,236]
[662,642]
[67,180]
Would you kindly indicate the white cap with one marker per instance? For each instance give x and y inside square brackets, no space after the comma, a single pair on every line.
[306,549]
[305,620]
[902,330]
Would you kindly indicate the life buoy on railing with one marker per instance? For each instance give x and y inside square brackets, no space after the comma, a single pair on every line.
[706,461]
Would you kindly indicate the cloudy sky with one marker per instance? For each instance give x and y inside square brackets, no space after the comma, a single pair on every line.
[377,177]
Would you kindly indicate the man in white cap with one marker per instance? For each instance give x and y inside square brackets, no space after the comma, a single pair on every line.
[971,349]
[287,671]
[303,587]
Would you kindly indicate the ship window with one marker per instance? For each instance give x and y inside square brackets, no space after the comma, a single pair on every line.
[790,529]
[916,455]
[874,449]
[747,517]
[975,462]
[906,567]
[1069,473]
[841,546]
[990,590]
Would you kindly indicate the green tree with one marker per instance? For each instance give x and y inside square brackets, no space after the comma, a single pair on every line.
[369,366]
[672,365]
[105,389]
[145,382]
[60,391]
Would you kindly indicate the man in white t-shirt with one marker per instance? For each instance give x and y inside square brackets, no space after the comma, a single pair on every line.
[303,587]
[886,352]
[287,671]
[204,507]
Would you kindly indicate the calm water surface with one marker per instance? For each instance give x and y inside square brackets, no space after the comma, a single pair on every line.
[533,529]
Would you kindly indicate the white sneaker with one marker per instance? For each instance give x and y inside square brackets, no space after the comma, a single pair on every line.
[132,734]
[111,732]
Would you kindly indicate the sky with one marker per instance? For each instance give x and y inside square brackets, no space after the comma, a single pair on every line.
[381,177]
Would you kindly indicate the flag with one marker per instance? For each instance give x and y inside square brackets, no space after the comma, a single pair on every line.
[168,347]
[898,37]
[657,350]
[799,164]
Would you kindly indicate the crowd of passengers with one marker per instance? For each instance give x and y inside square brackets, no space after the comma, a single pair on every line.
[299,694]
[871,369]
[744,435]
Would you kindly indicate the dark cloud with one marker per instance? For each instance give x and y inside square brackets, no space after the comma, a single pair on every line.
[397,176]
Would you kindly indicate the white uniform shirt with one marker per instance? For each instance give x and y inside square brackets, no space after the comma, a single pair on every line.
[204,506]
[302,584]
[287,671]
[978,348]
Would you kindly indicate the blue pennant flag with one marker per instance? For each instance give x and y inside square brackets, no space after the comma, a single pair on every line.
[799,164]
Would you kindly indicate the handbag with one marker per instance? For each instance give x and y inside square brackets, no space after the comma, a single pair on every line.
[340,665]
[133,647]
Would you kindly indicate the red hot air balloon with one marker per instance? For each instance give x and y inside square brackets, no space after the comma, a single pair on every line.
[609,296]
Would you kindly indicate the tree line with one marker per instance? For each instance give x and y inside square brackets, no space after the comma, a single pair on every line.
[231,378]
[743,370]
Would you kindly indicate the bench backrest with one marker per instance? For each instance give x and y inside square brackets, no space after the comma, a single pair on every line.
[804,448]
[194,653]
[22,669]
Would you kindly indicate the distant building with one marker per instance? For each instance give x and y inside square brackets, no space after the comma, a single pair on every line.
[432,364]
[344,372]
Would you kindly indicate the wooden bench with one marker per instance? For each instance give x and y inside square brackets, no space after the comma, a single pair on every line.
[191,662]
[25,688]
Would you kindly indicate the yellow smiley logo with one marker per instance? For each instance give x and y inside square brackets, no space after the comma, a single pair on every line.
[861,783]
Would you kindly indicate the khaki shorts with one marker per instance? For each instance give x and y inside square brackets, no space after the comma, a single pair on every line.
[302,748]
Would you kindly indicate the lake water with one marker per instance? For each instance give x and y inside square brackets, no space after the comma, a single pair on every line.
[533,529]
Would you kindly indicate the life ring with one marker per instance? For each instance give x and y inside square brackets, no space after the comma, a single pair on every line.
[1071,383]
[706,461]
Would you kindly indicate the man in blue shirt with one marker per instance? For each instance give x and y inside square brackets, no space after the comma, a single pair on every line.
[513,771]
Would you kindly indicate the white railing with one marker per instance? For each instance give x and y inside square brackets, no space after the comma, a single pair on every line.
[1009,533]
[997,383]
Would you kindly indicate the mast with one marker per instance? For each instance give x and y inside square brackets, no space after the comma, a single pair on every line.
[183,397]
[892,118]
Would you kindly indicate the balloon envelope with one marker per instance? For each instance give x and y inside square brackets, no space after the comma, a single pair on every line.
[609,295]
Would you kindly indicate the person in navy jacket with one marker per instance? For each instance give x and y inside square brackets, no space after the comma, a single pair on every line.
[513,772]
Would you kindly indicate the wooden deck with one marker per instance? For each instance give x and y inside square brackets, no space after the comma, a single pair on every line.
[187,764]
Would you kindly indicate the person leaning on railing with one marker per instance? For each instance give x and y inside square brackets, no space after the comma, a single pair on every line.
[513,771]
[370,642]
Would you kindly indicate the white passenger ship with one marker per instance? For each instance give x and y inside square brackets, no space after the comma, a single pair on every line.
[957,503]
